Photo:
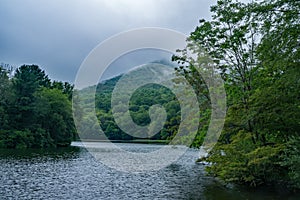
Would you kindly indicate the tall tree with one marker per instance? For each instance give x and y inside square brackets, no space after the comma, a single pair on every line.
[229,39]
[276,102]
[255,47]
[5,97]
[27,80]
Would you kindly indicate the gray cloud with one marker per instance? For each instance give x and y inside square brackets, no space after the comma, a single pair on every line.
[58,35]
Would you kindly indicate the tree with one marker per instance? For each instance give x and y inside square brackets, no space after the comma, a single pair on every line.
[54,113]
[227,43]
[262,85]
[34,113]
[65,87]
[27,80]
[276,100]
[230,39]
[5,98]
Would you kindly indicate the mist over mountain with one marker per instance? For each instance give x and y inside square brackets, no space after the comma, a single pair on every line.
[150,92]
[166,69]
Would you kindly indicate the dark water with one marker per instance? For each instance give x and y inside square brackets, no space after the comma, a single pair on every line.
[73,173]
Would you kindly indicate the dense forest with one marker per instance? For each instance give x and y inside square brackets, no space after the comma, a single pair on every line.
[140,102]
[35,112]
[255,48]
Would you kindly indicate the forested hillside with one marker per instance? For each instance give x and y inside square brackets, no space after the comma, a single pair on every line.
[139,108]
[141,100]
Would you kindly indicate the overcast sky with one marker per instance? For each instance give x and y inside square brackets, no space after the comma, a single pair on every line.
[58,34]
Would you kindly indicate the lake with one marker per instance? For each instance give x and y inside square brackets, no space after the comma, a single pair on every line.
[73,173]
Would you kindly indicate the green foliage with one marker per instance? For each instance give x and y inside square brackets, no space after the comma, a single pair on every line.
[28,78]
[16,139]
[26,81]
[255,47]
[140,102]
[244,162]
[53,107]
[5,97]
[35,113]
[291,161]
[66,88]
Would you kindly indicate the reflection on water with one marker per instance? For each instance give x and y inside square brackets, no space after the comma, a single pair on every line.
[72,173]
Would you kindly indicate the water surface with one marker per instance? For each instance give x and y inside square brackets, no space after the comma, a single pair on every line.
[73,173]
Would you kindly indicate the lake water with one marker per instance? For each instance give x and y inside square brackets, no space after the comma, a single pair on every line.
[73,173]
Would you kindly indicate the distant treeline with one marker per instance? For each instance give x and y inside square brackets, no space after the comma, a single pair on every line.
[35,112]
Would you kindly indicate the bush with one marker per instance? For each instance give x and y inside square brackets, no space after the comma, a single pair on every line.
[16,139]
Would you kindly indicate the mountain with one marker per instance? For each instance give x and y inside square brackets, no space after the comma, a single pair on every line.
[143,86]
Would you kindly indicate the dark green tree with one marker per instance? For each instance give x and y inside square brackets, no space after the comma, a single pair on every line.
[27,80]
[54,114]
[65,87]
[34,112]
[5,97]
